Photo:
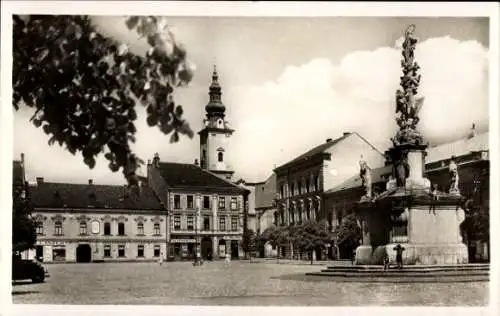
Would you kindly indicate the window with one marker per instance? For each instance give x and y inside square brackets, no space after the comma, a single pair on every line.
[300,187]
[140,251]
[206,202]
[234,203]
[206,223]
[59,254]
[222,203]
[190,202]
[156,251]
[177,222]
[222,223]
[39,228]
[177,201]
[107,251]
[234,223]
[107,229]
[121,251]
[58,229]
[121,229]
[156,228]
[307,186]
[220,156]
[140,229]
[83,228]
[190,222]
[281,191]
[316,183]
[292,189]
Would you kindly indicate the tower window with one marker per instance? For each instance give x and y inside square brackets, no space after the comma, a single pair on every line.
[220,157]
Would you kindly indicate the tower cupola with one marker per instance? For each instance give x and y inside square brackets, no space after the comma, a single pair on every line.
[215,108]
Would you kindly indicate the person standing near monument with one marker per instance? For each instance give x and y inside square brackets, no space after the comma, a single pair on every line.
[399,255]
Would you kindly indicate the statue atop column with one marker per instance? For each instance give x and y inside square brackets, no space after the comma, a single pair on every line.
[366,178]
[453,170]
[407,104]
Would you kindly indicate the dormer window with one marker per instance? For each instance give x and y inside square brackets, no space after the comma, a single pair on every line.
[220,157]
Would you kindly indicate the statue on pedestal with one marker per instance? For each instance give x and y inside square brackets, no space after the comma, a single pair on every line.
[366,178]
[453,170]
[407,105]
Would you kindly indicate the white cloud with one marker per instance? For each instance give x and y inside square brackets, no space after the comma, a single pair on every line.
[306,104]
[317,100]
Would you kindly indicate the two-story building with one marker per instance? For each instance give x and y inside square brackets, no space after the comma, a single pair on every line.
[92,223]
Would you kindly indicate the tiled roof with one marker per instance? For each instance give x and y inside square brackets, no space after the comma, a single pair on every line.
[355,181]
[189,176]
[17,173]
[265,193]
[69,195]
[312,152]
[458,148]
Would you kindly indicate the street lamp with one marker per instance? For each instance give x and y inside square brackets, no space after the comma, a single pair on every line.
[197,259]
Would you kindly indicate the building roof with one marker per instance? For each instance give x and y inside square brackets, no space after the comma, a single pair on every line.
[69,195]
[189,176]
[457,148]
[322,148]
[265,193]
[355,181]
[17,173]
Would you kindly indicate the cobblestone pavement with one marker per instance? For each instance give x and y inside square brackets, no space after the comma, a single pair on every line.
[242,283]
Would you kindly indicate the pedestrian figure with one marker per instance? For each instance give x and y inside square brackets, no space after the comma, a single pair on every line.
[227,260]
[160,261]
[386,261]
[399,255]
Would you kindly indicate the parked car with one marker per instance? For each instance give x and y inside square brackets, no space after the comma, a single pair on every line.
[28,269]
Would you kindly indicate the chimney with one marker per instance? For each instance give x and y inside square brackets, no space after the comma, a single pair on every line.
[156,160]
[196,162]
[91,182]
[39,180]
[347,133]
[22,158]
[328,140]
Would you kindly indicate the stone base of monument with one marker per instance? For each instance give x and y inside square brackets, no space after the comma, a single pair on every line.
[433,238]
[414,254]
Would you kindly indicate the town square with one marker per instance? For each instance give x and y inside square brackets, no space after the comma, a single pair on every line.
[223,161]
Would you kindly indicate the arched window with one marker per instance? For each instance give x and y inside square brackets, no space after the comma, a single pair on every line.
[58,229]
[220,156]
[140,228]
[83,228]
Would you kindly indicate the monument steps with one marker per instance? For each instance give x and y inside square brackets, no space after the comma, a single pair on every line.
[452,273]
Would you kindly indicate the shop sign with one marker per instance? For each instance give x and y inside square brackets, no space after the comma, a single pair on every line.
[180,241]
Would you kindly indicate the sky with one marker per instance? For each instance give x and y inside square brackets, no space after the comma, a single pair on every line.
[290,83]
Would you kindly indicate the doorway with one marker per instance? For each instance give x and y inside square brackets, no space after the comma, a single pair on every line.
[234,249]
[206,248]
[39,253]
[83,253]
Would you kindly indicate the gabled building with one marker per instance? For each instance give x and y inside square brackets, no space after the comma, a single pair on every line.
[301,182]
[203,209]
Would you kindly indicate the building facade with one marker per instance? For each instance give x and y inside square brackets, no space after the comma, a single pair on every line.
[96,223]
[204,210]
[301,182]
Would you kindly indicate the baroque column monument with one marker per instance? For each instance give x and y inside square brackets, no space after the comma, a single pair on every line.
[421,219]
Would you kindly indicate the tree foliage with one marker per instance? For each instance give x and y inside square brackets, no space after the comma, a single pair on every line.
[311,236]
[277,236]
[23,227]
[84,86]
[248,241]
[348,232]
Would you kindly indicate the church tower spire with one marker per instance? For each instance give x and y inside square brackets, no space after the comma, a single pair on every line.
[215,135]
[215,107]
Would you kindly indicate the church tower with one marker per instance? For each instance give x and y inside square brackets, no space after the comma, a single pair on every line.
[215,135]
